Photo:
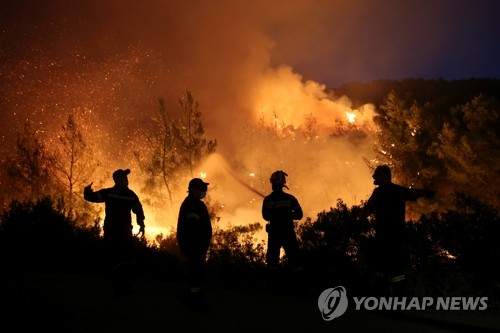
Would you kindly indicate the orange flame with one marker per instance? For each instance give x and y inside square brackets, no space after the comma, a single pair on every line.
[351,117]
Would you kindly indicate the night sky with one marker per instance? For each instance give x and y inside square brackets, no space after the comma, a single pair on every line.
[343,41]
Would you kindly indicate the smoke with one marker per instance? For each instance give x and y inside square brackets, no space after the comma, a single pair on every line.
[114,59]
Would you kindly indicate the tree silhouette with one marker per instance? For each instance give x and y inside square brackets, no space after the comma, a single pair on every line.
[29,166]
[406,134]
[192,134]
[73,161]
[310,128]
[470,145]
[163,160]
[450,149]
[397,145]
[174,148]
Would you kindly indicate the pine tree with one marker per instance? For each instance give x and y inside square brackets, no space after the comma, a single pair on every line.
[191,135]
[28,168]
[73,161]
[173,149]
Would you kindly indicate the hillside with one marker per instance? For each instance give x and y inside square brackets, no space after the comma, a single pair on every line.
[57,302]
[439,92]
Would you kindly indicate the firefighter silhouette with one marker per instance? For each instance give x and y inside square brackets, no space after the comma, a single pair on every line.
[387,204]
[120,202]
[194,233]
[280,209]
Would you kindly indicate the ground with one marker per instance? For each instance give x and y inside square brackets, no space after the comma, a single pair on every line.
[62,302]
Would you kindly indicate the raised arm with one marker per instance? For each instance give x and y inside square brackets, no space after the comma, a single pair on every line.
[90,195]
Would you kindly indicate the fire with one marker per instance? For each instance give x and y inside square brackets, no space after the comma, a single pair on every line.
[351,117]
[153,230]
[154,226]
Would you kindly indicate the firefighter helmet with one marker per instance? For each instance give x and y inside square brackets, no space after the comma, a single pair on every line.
[279,178]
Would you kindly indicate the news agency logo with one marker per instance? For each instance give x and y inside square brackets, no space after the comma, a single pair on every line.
[333,303]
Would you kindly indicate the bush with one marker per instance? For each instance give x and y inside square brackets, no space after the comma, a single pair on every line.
[37,234]
[452,253]
[333,245]
[457,251]
[235,257]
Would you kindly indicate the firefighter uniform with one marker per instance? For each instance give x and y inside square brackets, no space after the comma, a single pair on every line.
[388,204]
[120,202]
[118,220]
[280,209]
[194,233]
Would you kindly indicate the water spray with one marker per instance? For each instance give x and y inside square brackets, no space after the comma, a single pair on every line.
[242,182]
[230,171]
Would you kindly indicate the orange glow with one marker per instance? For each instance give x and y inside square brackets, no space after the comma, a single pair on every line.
[153,230]
[154,224]
[263,117]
